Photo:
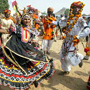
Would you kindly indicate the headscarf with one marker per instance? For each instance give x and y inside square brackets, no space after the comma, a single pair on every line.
[24,16]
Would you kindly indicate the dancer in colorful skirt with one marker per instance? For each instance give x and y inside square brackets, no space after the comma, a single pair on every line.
[19,68]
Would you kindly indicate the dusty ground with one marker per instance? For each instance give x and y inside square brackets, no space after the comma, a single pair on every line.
[76,80]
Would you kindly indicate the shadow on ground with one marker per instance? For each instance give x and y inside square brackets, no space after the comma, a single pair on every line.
[70,82]
[81,73]
[54,55]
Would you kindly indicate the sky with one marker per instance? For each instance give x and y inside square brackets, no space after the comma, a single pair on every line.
[42,5]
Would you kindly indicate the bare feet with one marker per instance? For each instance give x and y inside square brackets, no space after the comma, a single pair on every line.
[48,53]
[86,58]
[81,64]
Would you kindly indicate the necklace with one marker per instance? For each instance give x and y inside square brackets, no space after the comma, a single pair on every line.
[69,26]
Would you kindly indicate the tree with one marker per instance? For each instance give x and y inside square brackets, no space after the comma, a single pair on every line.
[66,12]
[3,5]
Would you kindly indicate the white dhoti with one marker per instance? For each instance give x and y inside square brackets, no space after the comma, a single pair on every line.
[4,37]
[46,44]
[54,29]
[67,57]
[70,58]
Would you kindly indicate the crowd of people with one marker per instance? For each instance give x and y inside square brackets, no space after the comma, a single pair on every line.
[23,62]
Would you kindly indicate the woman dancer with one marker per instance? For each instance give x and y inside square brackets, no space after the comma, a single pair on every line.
[19,68]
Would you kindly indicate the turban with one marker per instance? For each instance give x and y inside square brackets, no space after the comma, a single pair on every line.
[50,9]
[78,4]
[7,11]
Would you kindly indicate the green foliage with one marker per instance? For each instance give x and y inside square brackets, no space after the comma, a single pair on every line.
[66,12]
[3,5]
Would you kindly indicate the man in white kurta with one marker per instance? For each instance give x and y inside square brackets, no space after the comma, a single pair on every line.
[6,23]
[68,53]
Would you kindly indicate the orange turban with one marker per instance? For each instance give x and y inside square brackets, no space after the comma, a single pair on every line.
[7,11]
[78,4]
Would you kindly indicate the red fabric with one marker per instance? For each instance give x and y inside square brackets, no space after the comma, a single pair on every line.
[28,5]
[88,82]
[0,42]
[89,78]
[7,11]
[26,33]
[78,4]
[12,29]
[21,76]
[14,3]
[0,25]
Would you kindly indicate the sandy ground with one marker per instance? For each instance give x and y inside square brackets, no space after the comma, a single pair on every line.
[76,80]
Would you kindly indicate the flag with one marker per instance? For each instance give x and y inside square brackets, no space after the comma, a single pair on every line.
[28,7]
[14,3]
[15,6]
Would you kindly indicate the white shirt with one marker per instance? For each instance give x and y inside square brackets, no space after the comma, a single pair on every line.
[78,29]
[5,24]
